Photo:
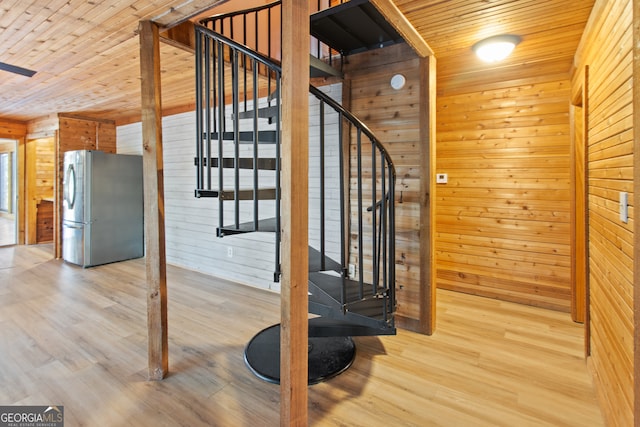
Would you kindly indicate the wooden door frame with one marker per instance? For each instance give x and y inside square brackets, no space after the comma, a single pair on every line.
[16,186]
[579,114]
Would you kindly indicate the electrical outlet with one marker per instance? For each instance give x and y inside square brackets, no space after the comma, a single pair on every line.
[230,251]
[442,178]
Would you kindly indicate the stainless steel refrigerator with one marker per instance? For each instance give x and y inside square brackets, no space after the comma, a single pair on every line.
[102,219]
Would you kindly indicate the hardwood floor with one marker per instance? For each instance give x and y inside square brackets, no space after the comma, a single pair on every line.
[77,337]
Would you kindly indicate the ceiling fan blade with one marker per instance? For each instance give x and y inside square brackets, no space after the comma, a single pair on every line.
[17,70]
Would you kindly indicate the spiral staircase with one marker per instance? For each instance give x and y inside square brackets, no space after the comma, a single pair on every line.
[238,126]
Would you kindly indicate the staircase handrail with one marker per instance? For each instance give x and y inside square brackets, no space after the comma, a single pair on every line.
[277,67]
[229,17]
[235,13]
[356,122]
[264,59]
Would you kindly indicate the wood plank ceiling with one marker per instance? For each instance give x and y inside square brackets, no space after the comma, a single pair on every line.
[86,53]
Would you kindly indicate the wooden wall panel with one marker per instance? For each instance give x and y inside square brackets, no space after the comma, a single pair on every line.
[503,218]
[394,117]
[12,129]
[610,161]
[45,165]
[44,227]
[42,127]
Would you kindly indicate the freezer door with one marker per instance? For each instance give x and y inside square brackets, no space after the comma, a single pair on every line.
[114,209]
[72,186]
[73,242]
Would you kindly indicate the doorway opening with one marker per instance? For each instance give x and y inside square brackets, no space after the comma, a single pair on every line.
[8,192]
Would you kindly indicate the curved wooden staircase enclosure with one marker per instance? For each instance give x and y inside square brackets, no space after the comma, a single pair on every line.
[351,182]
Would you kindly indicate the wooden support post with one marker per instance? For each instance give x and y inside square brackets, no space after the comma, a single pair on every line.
[154,201]
[427,194]
[295,160]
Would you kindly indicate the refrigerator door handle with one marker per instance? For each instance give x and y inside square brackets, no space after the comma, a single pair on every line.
[72,225]
[69,190]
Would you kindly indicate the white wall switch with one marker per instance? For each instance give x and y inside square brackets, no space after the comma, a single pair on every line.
[624,206]
[442,178]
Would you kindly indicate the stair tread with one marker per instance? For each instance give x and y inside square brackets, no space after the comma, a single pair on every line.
[332,286]
[243,163]
[319,68]
[330,327]
[264,225]
[263,113]
[241,194]
[315,262]
[264,136]
[353,27]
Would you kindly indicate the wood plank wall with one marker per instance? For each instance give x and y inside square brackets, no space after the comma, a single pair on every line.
[610,160]
[503,218]
[44,168]
[393,116]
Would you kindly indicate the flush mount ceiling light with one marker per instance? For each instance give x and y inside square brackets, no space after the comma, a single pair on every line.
[496,48]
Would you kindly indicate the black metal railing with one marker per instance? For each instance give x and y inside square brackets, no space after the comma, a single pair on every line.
[238,160]
[372,195]
[260,30]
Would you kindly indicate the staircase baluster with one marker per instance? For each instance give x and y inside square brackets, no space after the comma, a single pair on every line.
[199,113]
[322,191]
[221,127]
[360,215]
[383,220]
[269,54]
[236,137]
[207,71]
[278,167]
[374,211]
[255,144]
[344,220]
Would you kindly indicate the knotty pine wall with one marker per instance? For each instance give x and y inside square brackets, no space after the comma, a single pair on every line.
[503,218]
[610,164]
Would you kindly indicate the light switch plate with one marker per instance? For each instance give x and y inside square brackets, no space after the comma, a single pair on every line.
[624,206]
[442,178]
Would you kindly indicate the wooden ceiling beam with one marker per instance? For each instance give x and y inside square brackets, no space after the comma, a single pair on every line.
[402,25]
